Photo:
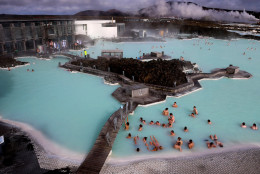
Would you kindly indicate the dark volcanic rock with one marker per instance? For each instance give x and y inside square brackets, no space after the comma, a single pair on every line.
[157,72]
[6,61]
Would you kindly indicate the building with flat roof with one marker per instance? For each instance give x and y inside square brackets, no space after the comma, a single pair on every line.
[47,34]
[138,90]
[111,54]
[232,69]
[99,28]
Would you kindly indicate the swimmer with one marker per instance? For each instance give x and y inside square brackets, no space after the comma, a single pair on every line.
[195,110]
[215,137]
[172,118]
[32,70]
[151,122]
[218,143]
[129,136]
[175,105]
[164,125]
[126,125]
[141,119]
[254,127]
[172,133]
[210,145]
[190,144]
[165,112]
[136,139]
[179,140]
[147,146]
[155,148]
[140,127]
[209,122]
[160,148]
[178,146]
[192,115]
[186,129]
[243,125]
[155,142]
[145,139]
[169,124]
[143,122]
[138,149]
[158,123]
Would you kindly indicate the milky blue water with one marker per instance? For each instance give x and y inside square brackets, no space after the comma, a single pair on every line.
[226,102]
[69,108]
[62,104]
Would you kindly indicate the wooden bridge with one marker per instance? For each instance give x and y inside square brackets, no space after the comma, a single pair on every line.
[103,145]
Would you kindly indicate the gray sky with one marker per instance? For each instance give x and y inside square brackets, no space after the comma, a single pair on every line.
[73,6]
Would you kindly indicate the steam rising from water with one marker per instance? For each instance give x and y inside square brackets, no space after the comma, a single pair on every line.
[193,11]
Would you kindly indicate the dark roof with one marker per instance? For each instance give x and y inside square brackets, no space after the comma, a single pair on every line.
[137,86]
[233,67]
[112,51]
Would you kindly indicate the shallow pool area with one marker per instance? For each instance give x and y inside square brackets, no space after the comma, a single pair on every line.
[71,108]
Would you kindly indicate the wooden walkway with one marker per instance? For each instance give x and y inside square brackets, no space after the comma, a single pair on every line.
[103,145]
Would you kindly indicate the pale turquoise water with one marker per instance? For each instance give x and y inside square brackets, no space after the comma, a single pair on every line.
[69,108]
[62,104]
[226,102]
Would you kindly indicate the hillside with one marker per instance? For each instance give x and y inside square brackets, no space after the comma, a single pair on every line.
[184,10]
[112,12]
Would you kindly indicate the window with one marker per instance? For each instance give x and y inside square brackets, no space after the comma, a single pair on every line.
[85,27]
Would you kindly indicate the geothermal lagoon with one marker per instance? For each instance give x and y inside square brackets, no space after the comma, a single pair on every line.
[70,109]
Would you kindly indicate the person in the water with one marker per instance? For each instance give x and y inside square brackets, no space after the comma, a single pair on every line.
[129,136]
[140,127]
[126,123]
[165,112]
[172,133]
[190,144]
[192,115]
[254,127]
[211,145]
[175,105]
[243,125]
[195,110]
[178,146]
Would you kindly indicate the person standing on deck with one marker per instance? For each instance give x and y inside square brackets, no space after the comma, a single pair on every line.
[85,53]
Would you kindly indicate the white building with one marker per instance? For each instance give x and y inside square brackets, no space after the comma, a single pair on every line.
[96,28]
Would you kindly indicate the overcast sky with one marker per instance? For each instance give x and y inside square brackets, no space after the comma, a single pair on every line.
[73,6]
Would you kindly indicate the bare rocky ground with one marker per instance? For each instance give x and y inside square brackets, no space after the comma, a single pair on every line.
[18,154]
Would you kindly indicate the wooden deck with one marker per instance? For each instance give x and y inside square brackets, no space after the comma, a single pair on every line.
[102,147]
